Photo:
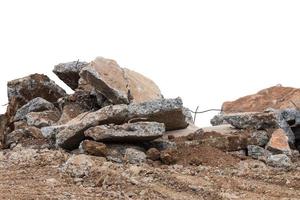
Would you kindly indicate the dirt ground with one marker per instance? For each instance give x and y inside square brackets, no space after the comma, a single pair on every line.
[27,173]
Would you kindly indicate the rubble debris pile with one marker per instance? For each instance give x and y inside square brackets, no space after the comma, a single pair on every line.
[121,115]
[114,112]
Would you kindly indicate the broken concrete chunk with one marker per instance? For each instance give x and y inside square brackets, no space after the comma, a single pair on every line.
[93,148]
[42,119]
[167,111]
[258,152]
[35,105]
[218,120]
[259,138]
[278,143]
[129,132]
[280,161]
[73,133]
[21,91]
[117,84]
[69,72]
[252,120]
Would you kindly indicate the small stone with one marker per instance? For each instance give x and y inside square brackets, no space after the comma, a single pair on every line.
[134,156]
[257,152]
[279,160]
[168,156]
[78,166]
[69,72]
[116,152]
[93,148]
[278,143]
[153,154]
[35,105]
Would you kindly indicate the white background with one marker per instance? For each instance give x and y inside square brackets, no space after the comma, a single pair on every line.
[207,52]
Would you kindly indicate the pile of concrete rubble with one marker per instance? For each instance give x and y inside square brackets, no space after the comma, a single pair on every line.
[114,112]
[121,115]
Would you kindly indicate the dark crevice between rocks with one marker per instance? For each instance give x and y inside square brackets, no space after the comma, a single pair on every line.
[296,131]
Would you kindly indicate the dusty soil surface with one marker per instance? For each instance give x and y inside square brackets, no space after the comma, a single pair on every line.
[27,173]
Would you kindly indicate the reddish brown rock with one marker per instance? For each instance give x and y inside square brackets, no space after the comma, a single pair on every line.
[153,154]
[278,143]
[93,148]
[277,97]
[168,156]
[117,84]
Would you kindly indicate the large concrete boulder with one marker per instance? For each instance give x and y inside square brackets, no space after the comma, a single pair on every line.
[167,111]
[129,132]
[277,97]
[252,120]
[69,72]
[117,84]
[35,105]
[21,91]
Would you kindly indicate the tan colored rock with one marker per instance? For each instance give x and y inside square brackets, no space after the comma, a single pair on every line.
[141,88]
[93,148]
[117,84]
[277,97]
[278,143]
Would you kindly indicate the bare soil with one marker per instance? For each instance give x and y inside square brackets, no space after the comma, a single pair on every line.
[204,173]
